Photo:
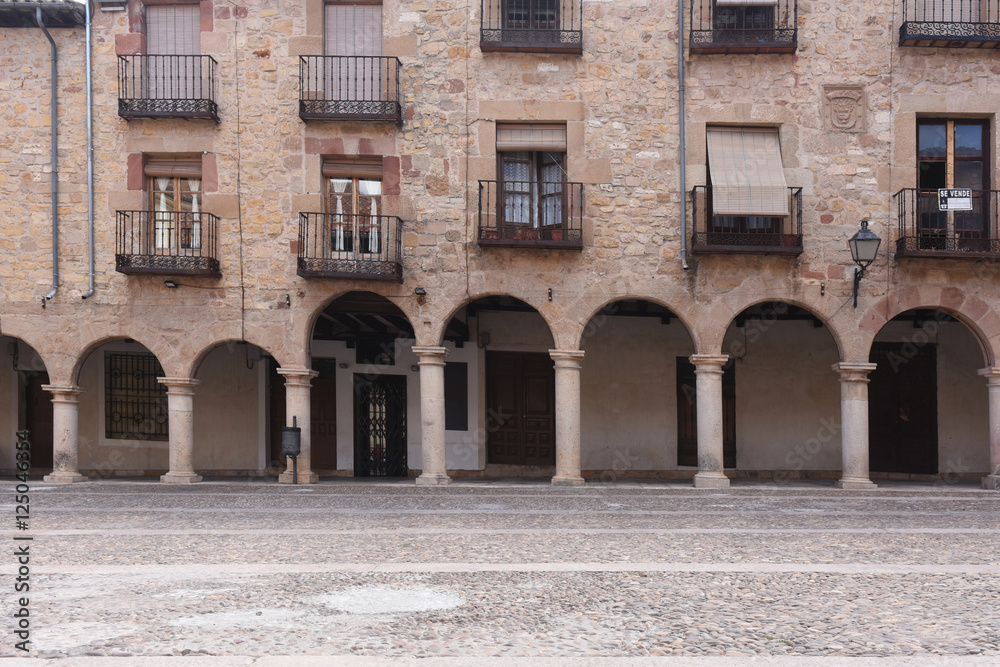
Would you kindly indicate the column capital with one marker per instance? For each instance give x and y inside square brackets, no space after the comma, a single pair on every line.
[707,363]
[430,355]
[567,358]
[298,377]
[992,375]
[63,393]
[178,385]
[853,372]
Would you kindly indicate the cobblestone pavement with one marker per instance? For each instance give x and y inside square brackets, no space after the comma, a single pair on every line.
[502,574]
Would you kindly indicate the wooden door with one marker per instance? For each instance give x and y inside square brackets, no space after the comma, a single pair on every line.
[38,419]
[380,426]
[687,414]
[902,409]
[520,408]
[323,409]
[276,412]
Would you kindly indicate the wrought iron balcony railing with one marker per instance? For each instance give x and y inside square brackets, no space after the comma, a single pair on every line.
[167,87]
[531,214]
[340,245]
[167,243]
[537,26]
[349,88]
[744,26]
[954,23]
[777,235]
[927,231]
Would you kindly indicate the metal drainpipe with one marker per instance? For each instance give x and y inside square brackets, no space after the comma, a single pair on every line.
[55,163]
[680,127]
[90,156]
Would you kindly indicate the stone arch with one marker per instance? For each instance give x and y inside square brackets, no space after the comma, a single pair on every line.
[981,320]
[195,365]
[405,303]
[723,316]
[442,325]
[595,312]
[46,366]
[171,366]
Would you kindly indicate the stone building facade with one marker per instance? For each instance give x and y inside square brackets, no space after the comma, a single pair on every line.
[457,239]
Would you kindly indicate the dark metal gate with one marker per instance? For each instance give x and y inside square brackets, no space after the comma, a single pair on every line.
[380,426]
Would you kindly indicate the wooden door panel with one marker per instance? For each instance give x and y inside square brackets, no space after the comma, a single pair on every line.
[38,413]
[521,397]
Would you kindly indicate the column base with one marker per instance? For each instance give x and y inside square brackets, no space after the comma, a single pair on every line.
[433,479]
[566,480]
[64,477]
[710,480]
[991,482]
[856,483]
[305,477]
[180,478]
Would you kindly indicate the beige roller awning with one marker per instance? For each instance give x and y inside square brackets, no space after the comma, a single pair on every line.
[531,137]
[747,177]
[348,168]
[746,3]
[181,167]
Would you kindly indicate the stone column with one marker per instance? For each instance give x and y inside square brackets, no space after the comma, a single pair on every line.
[298,383]
[992,375]
[180,413]
[434,467]
[708,387]
[854,425]
[567,417]
[65,434]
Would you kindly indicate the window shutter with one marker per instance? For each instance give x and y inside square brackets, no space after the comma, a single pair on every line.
[182,167]
[347,168]
[525,137]
[353,30]
[173,30]
[746,171]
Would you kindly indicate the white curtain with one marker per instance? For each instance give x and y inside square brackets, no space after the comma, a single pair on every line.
[372,189]
[163,221]
[339,186]
[194,187]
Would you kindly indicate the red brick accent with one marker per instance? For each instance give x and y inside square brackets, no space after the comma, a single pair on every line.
[130,44]
[135,180]
[826,218]
[390,175]
[222,12]
[375,146]
[835,271]
[975,308]
[324,146]
[209,173]
[952,297]
[206,15]
[293,246]
[240,12]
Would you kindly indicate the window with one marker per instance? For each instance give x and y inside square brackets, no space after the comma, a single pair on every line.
[353,205]
[531,165]
[173,42]
[531,14]
[354,32]
[135,404]
[733,19]
[175,202]
[952,154]
[749,194]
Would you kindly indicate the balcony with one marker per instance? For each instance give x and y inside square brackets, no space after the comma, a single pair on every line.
[167,87]
[349,88]
[762,235]
[972,24]
[532,26]
[167,243]
[341,245]
[926,231]
[744,26]
[536,214]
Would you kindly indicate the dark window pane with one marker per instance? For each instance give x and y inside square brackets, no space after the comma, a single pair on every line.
[969,174]
[968,140]
[931,175]
[456,396]
[932,140]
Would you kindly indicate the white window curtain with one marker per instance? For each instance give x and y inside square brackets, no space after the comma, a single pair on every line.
[163,216]
[194,187]
[339,186]
[373,190]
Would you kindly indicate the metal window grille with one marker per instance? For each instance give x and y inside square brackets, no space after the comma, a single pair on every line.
[135,404]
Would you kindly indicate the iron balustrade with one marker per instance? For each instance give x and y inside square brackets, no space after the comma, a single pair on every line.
[169,243]
[531,213]
[341,245]
[349,87]
[780,235]
[926,231]
[539,26]
[744,26]
[953,23]
[153,86]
